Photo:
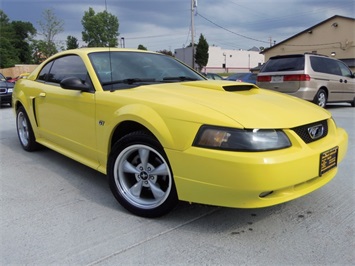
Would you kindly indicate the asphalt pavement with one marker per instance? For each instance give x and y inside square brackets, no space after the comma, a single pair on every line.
[57,211]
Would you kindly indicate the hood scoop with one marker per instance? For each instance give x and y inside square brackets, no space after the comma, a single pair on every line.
[230,86]
[243,87]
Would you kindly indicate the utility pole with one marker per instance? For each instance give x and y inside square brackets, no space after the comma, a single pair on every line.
[193,5]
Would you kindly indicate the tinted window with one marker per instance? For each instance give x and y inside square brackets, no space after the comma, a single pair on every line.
[325,65]
[67,66]
[345,71]
[43,75]
[291,63]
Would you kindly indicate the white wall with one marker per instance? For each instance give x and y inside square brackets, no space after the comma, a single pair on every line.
[221,60]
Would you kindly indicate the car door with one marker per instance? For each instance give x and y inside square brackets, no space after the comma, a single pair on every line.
[66,118]
[340,84]
[347,83]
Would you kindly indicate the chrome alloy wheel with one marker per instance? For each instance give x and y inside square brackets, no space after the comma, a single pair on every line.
[142,176]
[322,99]
[22,129]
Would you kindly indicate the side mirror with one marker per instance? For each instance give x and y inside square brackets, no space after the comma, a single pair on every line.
[74,83]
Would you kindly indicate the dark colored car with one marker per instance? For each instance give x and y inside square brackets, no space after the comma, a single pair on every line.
[6,89]
[243,77]
[213,76]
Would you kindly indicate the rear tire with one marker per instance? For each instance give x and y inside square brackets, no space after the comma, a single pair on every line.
[24,131]
[321,98]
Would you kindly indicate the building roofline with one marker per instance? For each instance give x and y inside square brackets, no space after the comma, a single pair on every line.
[306,30]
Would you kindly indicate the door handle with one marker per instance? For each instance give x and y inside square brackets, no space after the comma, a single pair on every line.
[42,94]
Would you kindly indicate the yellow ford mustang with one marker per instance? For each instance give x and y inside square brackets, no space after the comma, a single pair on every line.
[163,133]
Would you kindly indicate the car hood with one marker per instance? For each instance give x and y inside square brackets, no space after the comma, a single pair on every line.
[243,103]
[5,84]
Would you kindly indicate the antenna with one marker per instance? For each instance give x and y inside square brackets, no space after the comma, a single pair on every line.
[193,5]
[109,50]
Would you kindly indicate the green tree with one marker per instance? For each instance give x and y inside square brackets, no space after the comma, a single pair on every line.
[8,53]
[165,52]
[42,50]
[50,26]
[100,30]
[201,55]
[23,35]
[72,42]
[142,47]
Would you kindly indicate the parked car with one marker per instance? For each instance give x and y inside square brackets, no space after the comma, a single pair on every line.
[214,76]
[312,77]
[5,91]
[163,132]
[21,76]
[243,77]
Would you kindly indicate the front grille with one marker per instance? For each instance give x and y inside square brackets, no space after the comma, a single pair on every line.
[2,90]
[304,134]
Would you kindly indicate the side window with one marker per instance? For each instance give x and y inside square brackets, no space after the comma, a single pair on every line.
[317,64]
[325,65]
[345,71]
[67,66]
[332,67]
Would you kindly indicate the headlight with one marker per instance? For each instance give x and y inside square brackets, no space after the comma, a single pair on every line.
[241,139]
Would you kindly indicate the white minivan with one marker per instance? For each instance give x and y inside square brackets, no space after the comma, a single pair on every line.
[312,77]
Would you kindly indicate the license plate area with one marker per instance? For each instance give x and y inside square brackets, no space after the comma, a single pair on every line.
[328,160]
[277,79]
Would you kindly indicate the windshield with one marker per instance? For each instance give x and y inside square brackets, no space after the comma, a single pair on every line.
[2,78]
[120,70]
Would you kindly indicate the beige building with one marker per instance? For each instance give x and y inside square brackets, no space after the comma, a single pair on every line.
[332,37]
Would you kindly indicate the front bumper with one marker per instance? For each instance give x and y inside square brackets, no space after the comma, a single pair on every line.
[254,179]
[5,98]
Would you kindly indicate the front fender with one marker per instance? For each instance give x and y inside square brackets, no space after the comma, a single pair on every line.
[149,118]
[160,123]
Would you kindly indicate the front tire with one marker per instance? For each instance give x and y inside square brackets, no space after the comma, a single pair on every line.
[140,176]
[24,131]
[321,98]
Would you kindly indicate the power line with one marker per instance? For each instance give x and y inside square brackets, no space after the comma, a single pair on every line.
[240,35]
[152,36]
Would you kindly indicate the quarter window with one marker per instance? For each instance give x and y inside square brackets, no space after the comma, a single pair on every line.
[345,71]
[44,74]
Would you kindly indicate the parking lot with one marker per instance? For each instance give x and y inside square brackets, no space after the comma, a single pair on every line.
[57,211]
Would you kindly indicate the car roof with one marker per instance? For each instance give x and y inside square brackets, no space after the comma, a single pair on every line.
[88,50]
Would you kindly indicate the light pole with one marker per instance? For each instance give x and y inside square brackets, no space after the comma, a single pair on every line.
[225,62]
[193,5]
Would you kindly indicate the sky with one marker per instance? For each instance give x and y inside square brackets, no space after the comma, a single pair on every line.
[166,24]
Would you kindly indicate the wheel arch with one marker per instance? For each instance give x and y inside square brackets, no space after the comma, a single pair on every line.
[325,89]
[140,117]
